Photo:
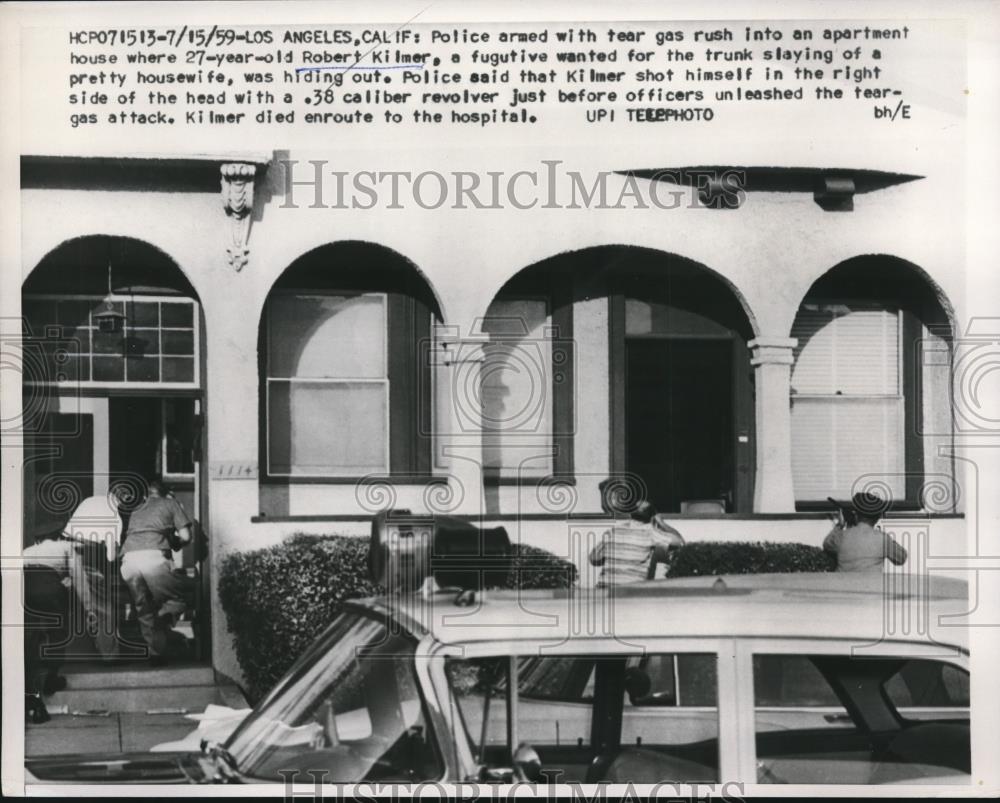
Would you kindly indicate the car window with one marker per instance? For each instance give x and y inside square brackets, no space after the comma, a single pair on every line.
[925,689]
[805,735]
[697,684]
[790,681]
[554,703]
[354,711]
[642,735]
[670,720]
[567,678]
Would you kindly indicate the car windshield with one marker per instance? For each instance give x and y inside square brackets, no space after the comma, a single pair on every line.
[349,711]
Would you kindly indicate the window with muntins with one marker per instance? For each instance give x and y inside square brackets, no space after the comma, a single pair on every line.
[157,346]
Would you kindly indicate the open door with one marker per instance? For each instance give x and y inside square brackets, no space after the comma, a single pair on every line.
[679,426]
[161,436]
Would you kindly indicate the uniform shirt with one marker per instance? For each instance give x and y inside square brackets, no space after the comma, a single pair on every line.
[862,548]
[626,551]
[153,522]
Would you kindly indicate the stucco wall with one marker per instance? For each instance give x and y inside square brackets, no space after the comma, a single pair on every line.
[769,251]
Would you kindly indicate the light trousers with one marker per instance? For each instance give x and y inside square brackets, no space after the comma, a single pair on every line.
[157,593]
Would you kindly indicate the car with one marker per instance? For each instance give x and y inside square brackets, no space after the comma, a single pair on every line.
[771,678]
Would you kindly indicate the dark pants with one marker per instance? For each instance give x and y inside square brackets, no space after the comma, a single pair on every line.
[47,617]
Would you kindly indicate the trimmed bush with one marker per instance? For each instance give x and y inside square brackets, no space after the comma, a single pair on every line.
[537,568]
[279,599]
[700,558]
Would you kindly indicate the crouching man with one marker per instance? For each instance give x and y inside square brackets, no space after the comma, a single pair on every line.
[156,528]
[630,553]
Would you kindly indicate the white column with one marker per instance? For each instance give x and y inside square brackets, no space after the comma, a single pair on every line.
[772,362]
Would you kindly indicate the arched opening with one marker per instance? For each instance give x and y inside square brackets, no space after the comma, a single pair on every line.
[114,345]
[670,337]
[345,385]
[870,390]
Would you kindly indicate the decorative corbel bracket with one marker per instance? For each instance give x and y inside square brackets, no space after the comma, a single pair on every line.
[237,199]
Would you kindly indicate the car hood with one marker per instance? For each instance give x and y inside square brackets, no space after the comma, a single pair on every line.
[134,768]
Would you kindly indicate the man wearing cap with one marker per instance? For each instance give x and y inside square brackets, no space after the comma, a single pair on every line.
[863,547]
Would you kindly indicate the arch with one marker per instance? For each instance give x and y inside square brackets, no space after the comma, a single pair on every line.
[870,394]
[134,390]
[400,266]
[332,403]
[597,262]
[886,277]
[672,329]
[79,265]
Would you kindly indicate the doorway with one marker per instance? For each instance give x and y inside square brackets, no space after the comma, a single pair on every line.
[85,446]
[679,419]
[161,436]
[117,333]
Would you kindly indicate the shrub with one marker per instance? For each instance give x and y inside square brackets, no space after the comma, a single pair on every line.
[277,600]
[704,558]
[537,568]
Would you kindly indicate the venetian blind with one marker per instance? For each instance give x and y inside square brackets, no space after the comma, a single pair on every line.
[847,408]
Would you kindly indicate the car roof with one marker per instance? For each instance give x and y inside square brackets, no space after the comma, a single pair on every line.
[800,605]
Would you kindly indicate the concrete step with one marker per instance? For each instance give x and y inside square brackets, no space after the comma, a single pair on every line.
[109,676]
[190,698]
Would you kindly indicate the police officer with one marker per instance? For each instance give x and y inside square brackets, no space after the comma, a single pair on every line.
[861,546]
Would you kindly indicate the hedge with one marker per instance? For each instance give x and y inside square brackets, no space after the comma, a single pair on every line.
[277,600]
[703,558]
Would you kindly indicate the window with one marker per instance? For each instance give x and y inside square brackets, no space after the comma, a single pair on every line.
[327,385]
[831,719]
[671,717]
[848,405]
[346,383]
[178,435]
[353,710]
[516,388]
[595,718]
[527,386]
[157,347]
[924,690]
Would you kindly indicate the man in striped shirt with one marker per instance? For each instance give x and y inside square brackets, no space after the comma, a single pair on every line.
[629,553]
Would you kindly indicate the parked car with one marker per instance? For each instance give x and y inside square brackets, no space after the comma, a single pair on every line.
[795,678]
[765,678]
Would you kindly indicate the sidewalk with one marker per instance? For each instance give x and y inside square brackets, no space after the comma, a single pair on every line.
[116,708]
[118,732]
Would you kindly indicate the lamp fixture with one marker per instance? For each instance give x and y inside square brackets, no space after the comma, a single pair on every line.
[109,319]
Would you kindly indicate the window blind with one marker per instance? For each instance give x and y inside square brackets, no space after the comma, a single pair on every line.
[847,404]
[847,350]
